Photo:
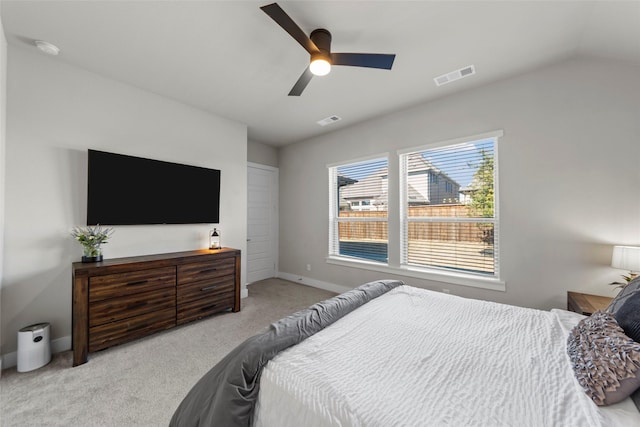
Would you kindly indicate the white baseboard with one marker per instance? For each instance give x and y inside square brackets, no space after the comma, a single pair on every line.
[59,345]
[313,282]
[244,293]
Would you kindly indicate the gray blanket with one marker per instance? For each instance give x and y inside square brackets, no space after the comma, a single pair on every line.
[226,395]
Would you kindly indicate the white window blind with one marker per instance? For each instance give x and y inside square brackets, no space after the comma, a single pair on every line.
[448,206]
[358,199]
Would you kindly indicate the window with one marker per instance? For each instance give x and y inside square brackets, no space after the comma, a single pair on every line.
[444,221]
[451,227]
[358,210]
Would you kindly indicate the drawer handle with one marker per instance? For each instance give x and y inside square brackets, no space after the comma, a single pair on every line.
[137,305]
[207,270]
[139,282]
[208,288]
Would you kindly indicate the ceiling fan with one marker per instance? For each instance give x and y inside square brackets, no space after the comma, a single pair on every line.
[318,44]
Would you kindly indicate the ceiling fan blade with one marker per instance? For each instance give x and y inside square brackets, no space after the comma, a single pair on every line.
[302,82]
[280,16]
[370,60]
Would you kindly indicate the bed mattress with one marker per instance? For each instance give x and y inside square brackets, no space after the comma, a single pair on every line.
[413,357]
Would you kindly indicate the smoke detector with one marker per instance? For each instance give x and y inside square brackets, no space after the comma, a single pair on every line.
[455,75]
[329,120]
[48,48]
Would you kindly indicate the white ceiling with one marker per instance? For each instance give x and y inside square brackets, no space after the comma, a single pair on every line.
[230,58]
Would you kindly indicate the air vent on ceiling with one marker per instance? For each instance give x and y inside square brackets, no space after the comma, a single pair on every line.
[455,75]
[329,120]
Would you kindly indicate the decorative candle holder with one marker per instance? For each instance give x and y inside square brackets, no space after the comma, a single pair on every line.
[214,239]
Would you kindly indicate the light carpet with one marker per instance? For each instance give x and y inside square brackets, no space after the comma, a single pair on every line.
[141,383]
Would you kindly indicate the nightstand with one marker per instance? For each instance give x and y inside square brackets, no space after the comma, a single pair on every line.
[585,303]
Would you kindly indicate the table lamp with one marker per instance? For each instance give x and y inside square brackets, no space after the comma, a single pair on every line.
[626,258]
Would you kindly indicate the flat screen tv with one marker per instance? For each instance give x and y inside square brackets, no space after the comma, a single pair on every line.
[127,190]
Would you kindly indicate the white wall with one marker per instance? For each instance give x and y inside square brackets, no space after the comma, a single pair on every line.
[569,179]
[55,113]
[263,154]
[3,121]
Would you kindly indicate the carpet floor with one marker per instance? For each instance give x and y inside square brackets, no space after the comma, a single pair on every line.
[141,383]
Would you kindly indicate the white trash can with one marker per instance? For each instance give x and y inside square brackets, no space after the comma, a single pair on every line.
[34,347]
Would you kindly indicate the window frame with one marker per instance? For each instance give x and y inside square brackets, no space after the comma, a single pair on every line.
[394,215]
[495,220]
[335,219]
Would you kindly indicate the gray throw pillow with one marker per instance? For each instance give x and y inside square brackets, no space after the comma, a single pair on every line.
[628,316]
[625,293]
[605,361]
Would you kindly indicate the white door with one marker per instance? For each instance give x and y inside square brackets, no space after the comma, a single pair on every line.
[262,222]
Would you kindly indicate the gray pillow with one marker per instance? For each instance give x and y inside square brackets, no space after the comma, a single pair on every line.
[628,316]
[625,293]
[605,361]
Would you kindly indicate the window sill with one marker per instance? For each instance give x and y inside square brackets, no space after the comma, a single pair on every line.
[462,279]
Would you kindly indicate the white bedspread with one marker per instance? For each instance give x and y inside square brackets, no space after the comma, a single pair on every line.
[419,358]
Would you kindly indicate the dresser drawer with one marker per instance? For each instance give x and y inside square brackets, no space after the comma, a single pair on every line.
[206,289]
[199,271]
[123,299]
[134,282]
[114,309]
[196,309]
[110,334]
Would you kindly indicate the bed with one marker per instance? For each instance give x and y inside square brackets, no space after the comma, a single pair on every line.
[388,354]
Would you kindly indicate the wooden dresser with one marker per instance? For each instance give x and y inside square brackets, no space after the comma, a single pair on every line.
[122,299]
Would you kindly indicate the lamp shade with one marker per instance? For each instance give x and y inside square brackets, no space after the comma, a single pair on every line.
[626,258]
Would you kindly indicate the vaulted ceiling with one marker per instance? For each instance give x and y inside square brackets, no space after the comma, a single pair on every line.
[231,59]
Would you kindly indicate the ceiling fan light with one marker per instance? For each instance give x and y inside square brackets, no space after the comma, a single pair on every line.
[320,67]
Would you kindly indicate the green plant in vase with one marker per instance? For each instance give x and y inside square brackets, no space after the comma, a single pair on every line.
[91,238]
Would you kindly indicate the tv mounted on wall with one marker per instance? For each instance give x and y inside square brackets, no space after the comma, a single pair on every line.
[127,190]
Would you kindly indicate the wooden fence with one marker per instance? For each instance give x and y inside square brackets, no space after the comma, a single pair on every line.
[440,231]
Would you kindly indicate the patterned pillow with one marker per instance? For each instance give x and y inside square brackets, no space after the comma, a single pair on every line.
[625,293]
[605,361]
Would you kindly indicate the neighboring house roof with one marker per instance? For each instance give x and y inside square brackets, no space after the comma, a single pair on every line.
[418,163]
[345,180]
[370,187]
[415,196]
[374,186]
